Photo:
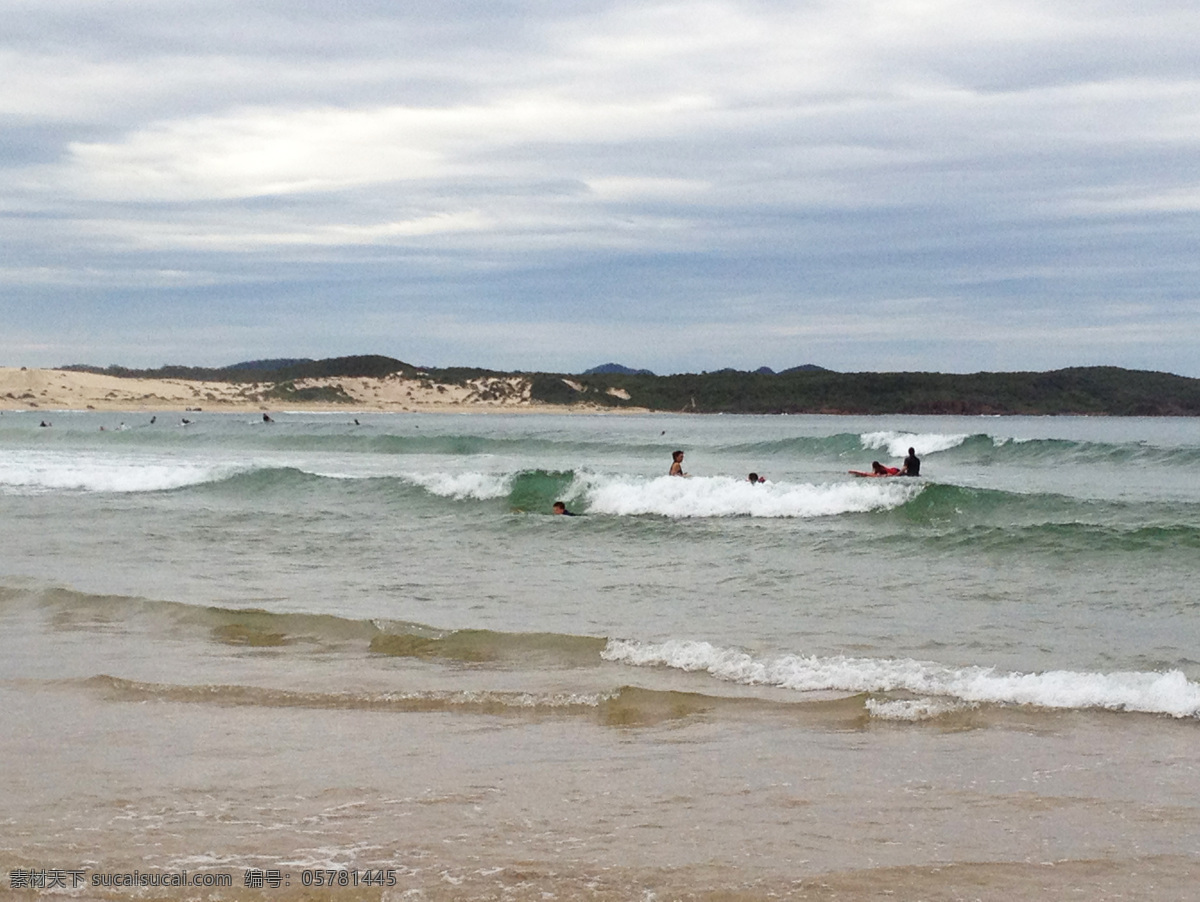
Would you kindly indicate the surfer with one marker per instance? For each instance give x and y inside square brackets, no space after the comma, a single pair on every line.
[878,469]
[267,418]
[560,508]
[676,464]
[755,479]
[912,464]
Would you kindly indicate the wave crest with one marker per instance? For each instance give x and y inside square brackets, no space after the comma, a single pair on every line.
[1168,692]
[720,496]
[896,444]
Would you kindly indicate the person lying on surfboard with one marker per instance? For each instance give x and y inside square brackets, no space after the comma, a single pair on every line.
[878,469]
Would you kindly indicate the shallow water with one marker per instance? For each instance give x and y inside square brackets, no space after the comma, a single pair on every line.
[233,644]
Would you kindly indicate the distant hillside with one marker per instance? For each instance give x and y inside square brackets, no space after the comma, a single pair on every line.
[1079,390]
[606,369]
[281,370]
[804,389]
[270,365]
[806,368]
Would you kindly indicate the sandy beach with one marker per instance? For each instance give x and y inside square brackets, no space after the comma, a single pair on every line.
[24,388]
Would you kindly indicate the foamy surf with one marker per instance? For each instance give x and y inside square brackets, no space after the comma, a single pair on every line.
[461,486]
[719,496]
[55,471]
[896,444]
[1168,692]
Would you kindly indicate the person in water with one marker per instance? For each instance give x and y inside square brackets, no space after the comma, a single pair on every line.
[560,508]
[912,464]
[676,464]
[755,479]
[878,469]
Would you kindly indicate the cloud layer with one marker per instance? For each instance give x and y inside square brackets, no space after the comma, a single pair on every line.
[905,185]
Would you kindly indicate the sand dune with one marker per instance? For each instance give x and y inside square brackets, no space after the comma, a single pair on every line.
[30,389]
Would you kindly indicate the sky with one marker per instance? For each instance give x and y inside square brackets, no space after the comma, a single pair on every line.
[867,185]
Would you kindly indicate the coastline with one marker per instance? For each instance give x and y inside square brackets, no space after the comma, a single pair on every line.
[34,389]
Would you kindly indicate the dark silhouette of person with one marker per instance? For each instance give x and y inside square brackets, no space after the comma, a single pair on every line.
[912,464]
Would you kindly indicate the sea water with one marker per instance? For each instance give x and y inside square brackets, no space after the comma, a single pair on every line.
[364,641]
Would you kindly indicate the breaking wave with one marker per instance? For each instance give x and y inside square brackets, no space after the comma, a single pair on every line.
[1168,692]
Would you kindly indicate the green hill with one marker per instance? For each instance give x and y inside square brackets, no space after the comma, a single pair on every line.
[1078,390]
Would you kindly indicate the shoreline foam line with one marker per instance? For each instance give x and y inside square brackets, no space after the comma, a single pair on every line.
[1168,692]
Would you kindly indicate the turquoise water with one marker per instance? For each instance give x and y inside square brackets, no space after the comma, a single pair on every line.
[1029,546]
[316,644]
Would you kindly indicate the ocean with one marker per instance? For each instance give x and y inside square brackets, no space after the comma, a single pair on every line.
[359,648]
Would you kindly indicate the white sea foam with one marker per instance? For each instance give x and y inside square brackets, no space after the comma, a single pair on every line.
[896,444]
[1167,692]
[914,709]
[480,486]
[721,496]
[50,471]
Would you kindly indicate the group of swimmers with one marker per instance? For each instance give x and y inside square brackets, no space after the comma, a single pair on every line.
[911,467]
[677,469]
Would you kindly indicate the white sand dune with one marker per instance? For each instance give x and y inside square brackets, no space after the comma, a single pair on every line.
[29,389]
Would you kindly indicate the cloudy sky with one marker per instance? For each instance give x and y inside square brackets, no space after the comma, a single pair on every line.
[525,184]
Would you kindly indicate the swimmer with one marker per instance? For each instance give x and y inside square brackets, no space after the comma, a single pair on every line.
[755,479]
[561,509]
[676,464]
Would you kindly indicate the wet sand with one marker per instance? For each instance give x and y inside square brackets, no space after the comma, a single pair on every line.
[460,804]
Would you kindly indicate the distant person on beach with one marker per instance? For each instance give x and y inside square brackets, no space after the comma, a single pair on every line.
[912,464]
[560,508]
[755,479]
[676,464]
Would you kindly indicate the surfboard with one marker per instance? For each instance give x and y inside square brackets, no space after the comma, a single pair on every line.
[871,475]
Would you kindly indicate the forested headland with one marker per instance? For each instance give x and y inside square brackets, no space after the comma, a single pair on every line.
[1078,390]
